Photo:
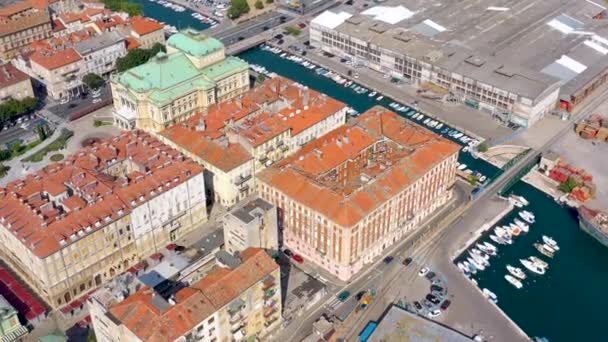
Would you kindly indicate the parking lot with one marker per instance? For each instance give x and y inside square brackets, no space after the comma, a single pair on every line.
[81,103]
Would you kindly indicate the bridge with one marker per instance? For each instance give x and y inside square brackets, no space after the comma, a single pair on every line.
[246,44]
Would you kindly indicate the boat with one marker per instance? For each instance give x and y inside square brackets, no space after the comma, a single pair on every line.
[457,135]
[461,267]
[595,223]
[490,295]
[516,271]
[445,130]
[527,216]
[550,242]
[515,202]
[485,249]
[498,240]
[479,259]
[379,98]
[482,179]
[462,167]
[470,267]
[525,227]
[478,265]
[503,232]
[515,230]
[539,262]
[532,266]
[481,254]
[426,121]
[543,250]
[521,199]
[439,125]
[514,281]
[372,94]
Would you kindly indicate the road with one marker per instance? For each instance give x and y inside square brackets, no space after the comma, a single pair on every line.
[252,27]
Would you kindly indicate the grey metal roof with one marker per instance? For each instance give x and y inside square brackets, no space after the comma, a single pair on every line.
[99,42]
[247,210]
[227,259]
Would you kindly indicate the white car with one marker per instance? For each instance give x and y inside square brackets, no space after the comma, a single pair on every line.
[423,271]
[434,313]
[64,100]
[96,100]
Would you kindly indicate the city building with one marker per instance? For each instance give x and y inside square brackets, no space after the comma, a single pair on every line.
[60,71]
[252,223]
[169,88]
[229,304]
[237,138]
[464,51]
[14,84]
[300,6]
[10,326]
[146,31]
[100,52]
[350,194]
[21,24]
[390,328]
[74,225]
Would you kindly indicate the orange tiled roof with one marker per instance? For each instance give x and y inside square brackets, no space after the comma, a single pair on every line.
[402,151]
[55,59]
[10,75]
[35,211]
[194,303]
[277,105]
[106,24]
[132,43]
[142,25]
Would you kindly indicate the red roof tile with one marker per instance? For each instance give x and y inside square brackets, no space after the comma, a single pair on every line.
[142,25]
[51,60]
[10,75]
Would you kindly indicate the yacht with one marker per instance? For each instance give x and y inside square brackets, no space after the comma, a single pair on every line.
[527,216]
[379,98]
[480,254]
[485,249]
[478,265]
[470,266]
[461,267]
[515,230]
[462,167]
[498,240]
[539,262]
[516,202]
[544,249]
[516,271]
[532,266]
[525,227]
[521,199]
[490,295]
[490,246]
[550,242]
[514,281]
[502,232]
[372,94]
[439,125]
[483,178]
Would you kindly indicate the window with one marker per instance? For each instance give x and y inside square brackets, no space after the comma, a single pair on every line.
[211,320]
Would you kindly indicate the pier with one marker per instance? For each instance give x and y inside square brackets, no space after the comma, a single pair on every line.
[204,11]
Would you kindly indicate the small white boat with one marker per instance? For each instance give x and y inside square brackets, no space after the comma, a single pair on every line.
[490,295]
[457,135]
[532,266]
[372,94]
[525,227]
[426,121]
[470,267]
[439,126]
[550,242]
[527,216]
[498,240]
[478,265]
[461,267]
[544,249]
[516,271]
[514,281]
[490,246]
[379,98]
[462,166]
[539,262]
[482,179]
[521,199]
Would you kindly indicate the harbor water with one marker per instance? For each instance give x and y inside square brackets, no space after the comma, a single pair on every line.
[180,20]
[566,304]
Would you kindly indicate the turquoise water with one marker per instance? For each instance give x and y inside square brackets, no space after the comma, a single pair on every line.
[181,20]
[566,304]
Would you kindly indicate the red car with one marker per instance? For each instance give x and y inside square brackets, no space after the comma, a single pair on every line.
[298,258]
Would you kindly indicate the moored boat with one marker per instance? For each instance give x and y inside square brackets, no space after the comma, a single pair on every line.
[490,246]
[532,266]
[490,295]
[497,239]
[527,216]
[539,262]
[525,227]
[516,271]
[514,281]
[542,248]
[550,242]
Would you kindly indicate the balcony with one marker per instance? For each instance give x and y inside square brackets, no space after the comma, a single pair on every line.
[284,148]
[268,283]
[237,318]
[242,179]
[244,188]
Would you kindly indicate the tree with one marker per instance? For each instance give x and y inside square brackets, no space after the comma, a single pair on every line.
[43,132]
[3,170]
[483,147]
[238,8]
[12,108]
[124,6]
[261,78]
[259,4]
[93,81]
[269,1]
[138,57]
[568,185]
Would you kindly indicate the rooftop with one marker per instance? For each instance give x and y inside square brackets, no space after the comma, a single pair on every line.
[247,210]
[398,325]
[99,42]
[54,59]
[142,25]
[477,39]
[396,153]
[276,106]
[194,43]
[45,210]
[21,16]
[151,318]
[10,75]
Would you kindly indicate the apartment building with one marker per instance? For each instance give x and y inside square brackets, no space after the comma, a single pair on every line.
[169,88]
[442,48]
[350,194]
[237,138]
[147,31]
[60,71]
[14,84]
[253,223]
[100,52]
[74,225]
[229,304]
[21,24]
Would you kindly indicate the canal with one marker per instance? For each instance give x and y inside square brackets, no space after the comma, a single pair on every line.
[180,20]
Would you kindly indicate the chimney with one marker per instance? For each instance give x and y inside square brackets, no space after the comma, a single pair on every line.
[305,97]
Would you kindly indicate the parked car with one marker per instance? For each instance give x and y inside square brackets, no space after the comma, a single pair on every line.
[430,275]
[298,258]
[437,288]
[359,295]
[407,261]
[423,271]
[388,259]
[342,296]
[96,100]
[446,303]
[437,281]
[431,298]
[417,305]
[434,313]
[287,252]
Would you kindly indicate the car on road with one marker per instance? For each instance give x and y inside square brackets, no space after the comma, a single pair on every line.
[359,295]
[446,303]
[417,305]
[96,100]
[388,259]
[287,252]
[407,261]
[430,275]
[423,271]
[343,296]
[298,258]
[434,313]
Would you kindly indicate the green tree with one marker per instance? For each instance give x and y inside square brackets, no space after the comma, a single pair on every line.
[269,1]
[3,170]
[261,78]
[259,4]
[138,57]
[93,81]
[43,132]
[12,108]
[483,147]
[568,185]
[124,6]
[238,8]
